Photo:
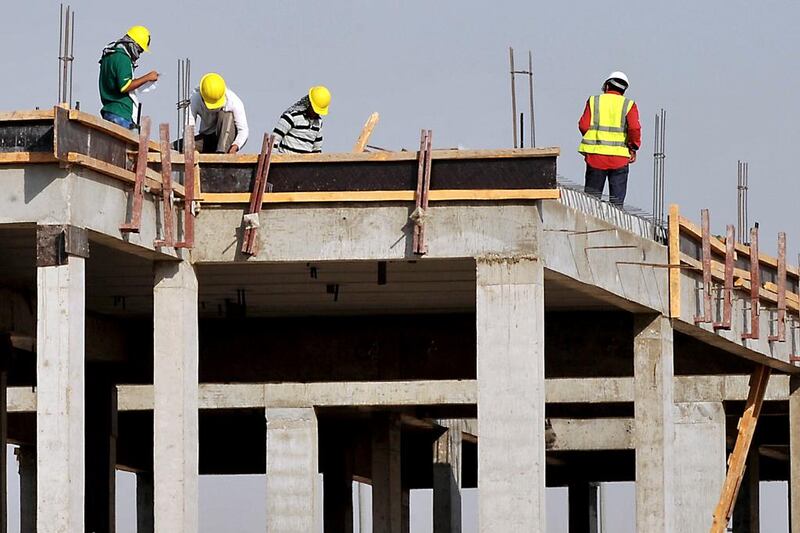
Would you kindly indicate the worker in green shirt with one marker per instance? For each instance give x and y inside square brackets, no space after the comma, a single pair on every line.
[116,76]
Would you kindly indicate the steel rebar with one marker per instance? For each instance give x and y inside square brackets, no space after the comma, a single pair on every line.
[513,95]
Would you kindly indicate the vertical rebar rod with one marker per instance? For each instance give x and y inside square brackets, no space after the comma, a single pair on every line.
[60,47]
[522,130]
[656,139]
[71,54]
[530,92]
[64,67]
[513,95]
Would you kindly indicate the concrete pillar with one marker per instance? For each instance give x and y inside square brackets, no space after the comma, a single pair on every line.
[447,480]
[510,353]
[101,453]
[292,470]
[5,357]
[583,503]
[746,516]
[653,413]
[387,488]
[144,502]
[60,418]
[700,458]
[175,459]
[794,453]
[338,491]
[26,458]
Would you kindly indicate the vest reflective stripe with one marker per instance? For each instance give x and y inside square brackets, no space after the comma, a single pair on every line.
[607,133]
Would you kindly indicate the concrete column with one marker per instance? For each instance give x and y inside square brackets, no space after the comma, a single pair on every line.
[175,459]
[746,516]
[447,480]
[60,418]
[700,458]
[653,412]
[583,507]
[510,353]
[387,488]
[101,453]
[26,458]
[794,453]
[292,470]
[144,502]
[338,491]
[4,358]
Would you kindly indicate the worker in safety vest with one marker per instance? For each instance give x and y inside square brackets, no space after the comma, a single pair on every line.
[611,136]
[223,122]
[299,130]
[117,84]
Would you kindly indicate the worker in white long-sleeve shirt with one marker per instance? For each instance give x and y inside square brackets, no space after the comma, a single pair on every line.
[299,130]
[223,122]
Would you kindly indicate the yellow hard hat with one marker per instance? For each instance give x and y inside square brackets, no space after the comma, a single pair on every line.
[212,89]
[140,36]
[320,98]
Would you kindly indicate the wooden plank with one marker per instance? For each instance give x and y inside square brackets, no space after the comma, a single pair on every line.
[252,159]
[110,128]
[736,462]
[366,132]
[674,252]
[36,114]
[118,172]
[27,157]
[386,196]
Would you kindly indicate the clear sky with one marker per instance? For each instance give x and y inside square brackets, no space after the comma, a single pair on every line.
[725,71]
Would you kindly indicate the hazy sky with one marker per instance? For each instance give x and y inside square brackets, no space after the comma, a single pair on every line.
[725,71]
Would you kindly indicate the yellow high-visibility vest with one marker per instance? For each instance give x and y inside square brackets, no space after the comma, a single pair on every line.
[608,132]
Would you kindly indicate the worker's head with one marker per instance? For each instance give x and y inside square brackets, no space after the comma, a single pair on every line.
[320,98]
[616,81]
[140,36]
[212,89]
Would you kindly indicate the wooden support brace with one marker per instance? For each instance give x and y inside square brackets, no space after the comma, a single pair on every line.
[674,250]
[366,131]
[138,187]
[189,190]
[421,196]
[727,289]
[781,325]
[166,190]
[250,222]
[755,287]
[705,318]
[736,462]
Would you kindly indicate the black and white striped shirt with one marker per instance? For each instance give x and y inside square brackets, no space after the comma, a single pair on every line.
[296,133]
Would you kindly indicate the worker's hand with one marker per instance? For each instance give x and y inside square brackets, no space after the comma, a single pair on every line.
[233,149]
[633,156]
[151,76]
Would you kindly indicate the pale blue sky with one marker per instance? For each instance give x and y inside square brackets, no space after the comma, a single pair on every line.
[725,70]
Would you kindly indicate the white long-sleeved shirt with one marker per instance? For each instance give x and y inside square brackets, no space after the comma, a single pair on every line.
[209,117]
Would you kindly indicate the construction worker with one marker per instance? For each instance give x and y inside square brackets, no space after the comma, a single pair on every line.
[611,136]
[117,84]
[223,122]
[299,129]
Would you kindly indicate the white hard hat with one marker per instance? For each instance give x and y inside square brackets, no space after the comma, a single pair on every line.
[618,75]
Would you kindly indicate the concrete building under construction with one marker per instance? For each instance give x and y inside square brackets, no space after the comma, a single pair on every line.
[404,319]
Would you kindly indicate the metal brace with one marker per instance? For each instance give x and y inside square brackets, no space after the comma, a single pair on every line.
[188,188]
[250,221]
[755,286]
[419,215]
[138,188]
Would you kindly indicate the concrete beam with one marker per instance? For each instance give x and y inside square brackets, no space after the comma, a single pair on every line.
[175,415]
[292,470]
[593,434]
[511,394]
[60,418]
[653,411]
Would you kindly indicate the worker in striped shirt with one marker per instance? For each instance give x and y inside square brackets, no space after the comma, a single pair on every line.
[299,130]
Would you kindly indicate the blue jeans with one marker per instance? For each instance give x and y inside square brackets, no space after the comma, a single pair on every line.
[116,119]
[617,183]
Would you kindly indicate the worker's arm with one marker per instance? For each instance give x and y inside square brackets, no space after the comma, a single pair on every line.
[240,121]
[634,131]
[585,120]
[135,83]
[194,110]
[285,124]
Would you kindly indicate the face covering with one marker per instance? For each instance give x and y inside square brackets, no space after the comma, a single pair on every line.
[128,45]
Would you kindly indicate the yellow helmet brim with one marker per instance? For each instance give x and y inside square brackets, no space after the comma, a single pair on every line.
[216,104]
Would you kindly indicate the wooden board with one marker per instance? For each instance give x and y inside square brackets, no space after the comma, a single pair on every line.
[389,175]
[674,253]
[384,196]
[152,179]
[114,130]
[27,157]
[36,114]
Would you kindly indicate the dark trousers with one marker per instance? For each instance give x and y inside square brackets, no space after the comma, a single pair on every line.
[617,183]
